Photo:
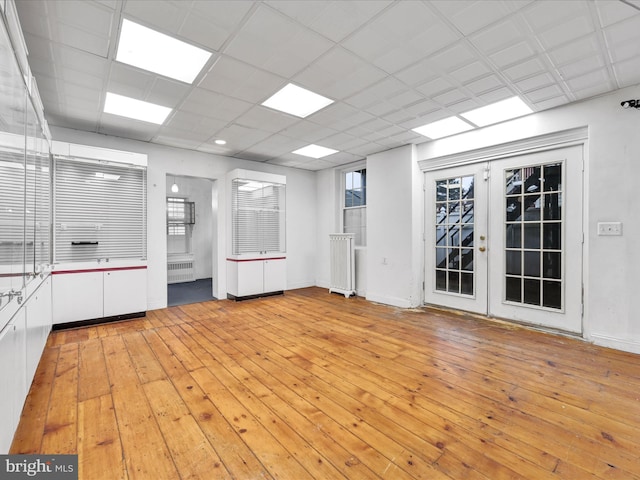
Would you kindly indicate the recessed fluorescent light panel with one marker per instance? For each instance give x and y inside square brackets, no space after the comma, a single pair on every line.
[498,112]
[315,151]
[136,109]
[159,53]
[443,128]
[297,101]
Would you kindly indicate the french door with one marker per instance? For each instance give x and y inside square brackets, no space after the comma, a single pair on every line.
[504,238]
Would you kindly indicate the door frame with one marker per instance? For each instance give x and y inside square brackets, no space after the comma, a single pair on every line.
[541,143]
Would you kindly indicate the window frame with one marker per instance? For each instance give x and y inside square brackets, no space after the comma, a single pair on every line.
[354,167]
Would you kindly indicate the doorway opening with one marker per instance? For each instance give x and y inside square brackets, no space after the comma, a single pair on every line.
[190,240]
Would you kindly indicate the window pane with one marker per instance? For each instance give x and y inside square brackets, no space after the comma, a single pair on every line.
[514,264]
[514,235]
[531,235]
[454,282]
[441,280]
[551,294]
[514,289]
[466,283]
[551,265]
[552,236]
[531,264]
[532,292]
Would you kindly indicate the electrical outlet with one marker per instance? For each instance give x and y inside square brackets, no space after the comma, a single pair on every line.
[609,228]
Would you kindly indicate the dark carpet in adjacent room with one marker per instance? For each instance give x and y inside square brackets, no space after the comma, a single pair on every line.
[189,292]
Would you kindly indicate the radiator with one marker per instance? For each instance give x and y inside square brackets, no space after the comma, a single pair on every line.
[180,269]
[343,269]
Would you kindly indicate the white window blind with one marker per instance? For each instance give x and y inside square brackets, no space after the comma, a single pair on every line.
[258,217]
[100,210]
[12,221]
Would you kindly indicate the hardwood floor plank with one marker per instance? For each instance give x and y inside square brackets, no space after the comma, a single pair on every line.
[136,422]
[99,448]
[92,373]
[28,438]
[191,451]
[143,358]
[60,430]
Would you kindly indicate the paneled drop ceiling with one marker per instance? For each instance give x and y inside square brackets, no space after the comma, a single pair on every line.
[389,66]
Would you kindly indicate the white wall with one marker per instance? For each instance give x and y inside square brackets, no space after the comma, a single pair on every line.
[301,208]
[612,170]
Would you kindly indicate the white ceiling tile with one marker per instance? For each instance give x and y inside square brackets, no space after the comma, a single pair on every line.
[167,92]
[129,81]
[210,24]
[341,141]
[490,82]
[513,54]
[566,32]
[435,87]
[496,95]
[583,47]
[339,74]
[545,93]
[624,51]
[464,106]
[542,15]
[241,137]
[276,145]
[405,98]
[612,12]
[166,16]
[625,31]
[451,97]
[478,14]
[628,72]
[386,88]
[470,72]
[308,131]
[589,80]
[497,37]
[83,25]
[527,68]
[582,67]
[236,79]
[536,82]
[453,57]
[211,104]
[592,91]
[203,127]
[266,119]
[421,108]
[333,19]
[274,42]
[551,103]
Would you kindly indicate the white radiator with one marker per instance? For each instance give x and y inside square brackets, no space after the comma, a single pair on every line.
[343,265]
[180,269]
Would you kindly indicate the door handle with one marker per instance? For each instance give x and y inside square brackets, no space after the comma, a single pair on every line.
[482,249]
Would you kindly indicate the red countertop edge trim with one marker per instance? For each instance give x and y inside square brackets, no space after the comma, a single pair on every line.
[254,259]
[89,270]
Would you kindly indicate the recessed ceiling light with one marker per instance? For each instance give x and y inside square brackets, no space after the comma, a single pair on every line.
[498,112]
[315,151]
[159,53]
[136,109]
[220,142]
[297,101]
[443,128]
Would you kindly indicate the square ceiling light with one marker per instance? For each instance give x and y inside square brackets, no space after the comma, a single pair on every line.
[498,112]
[136,109]
[443,128]
[315,151]
[296,101]
[159,53]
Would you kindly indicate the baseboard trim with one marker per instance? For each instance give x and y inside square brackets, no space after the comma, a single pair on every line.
[97,321]
[631,346]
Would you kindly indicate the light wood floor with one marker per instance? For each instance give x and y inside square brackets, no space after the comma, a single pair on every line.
[313,385]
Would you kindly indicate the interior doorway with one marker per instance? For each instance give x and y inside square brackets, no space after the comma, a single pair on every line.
[190,239]
[504,238]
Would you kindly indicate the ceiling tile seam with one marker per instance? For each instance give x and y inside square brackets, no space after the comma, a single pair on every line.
[603,45]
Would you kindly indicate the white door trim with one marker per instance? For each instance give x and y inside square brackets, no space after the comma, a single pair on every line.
[551,141]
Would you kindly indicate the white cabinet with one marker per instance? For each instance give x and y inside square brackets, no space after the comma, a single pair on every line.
[256,261]
[86,295]
[77,296]
[13,382]
[38,324]
[125,291]
[254,277]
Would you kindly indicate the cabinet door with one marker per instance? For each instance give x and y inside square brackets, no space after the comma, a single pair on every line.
[77,296]
[275,275]
[39,320]
[250,278]
[125,291]
[12,378]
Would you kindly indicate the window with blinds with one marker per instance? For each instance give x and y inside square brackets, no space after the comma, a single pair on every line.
[258,217]
[100,210]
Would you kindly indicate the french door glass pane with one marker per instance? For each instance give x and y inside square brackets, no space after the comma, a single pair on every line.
[454,230]
[533,235]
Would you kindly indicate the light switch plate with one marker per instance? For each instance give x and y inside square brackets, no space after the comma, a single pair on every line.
[609,228]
